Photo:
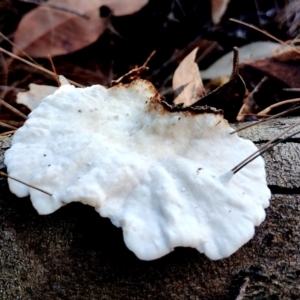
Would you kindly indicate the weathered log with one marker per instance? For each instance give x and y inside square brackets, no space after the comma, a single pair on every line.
[76,254]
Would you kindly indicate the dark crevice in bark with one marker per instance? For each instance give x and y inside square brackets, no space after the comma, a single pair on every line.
[293,140]
[284,191]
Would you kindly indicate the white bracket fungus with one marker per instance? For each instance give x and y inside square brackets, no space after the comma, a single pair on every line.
[161,175]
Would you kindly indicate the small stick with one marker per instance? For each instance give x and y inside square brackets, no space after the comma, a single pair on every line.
[253,115]
[8,126]
[58,7]
[258,12]
[235,68]
[13,109]
[265,33]
[266,149]
[262,148]
[267,119]
[8,132]
[266,110]
[207,51]
[149,58]
[11,88]
[178,56]
[12,122]
[54,70]
[36,66]
[292,89]
[29,185]
[249,102]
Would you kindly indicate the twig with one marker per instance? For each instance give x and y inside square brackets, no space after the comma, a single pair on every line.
[2,124]
[179,55]
[149,58]
[266,149]
[36,66]
[12,122]
[29,185]
[253,115]
[266,110]
[14,45]
[261,149]
[8,132]
[13,109]
[54,70]
[58,7]
[292,89]
[265,33]
[235,67]
[250,100]
[11,88]
[206,52]
[267,119]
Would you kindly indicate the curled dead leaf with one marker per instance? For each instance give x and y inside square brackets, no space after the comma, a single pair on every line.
[187,83]
[228,97]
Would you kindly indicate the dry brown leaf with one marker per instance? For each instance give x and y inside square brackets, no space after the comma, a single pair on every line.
[280,70]
[283,65]
[45,31]
[228,97]
[218,8]
[187,83]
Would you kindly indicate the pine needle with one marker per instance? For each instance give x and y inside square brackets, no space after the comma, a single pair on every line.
[29,185]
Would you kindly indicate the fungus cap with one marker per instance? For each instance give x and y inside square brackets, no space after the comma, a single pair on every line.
[162,176]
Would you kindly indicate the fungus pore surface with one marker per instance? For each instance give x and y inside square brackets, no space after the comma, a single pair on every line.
[164,177]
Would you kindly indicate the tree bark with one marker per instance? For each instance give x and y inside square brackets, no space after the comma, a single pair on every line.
[76,254]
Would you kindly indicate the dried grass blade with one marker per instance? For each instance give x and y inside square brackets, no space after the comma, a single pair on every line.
[13,109]
[36,66]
